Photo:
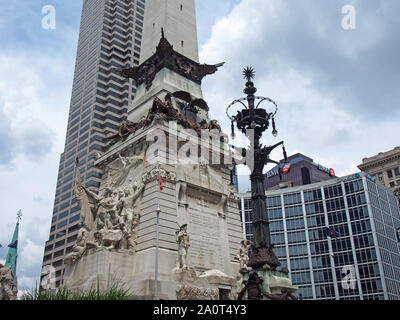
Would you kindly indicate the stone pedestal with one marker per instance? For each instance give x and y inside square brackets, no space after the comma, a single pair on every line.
[210,285]
[101,268]
[275,284]
[105,269]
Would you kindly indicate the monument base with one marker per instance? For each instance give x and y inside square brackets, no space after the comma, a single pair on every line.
[105,269]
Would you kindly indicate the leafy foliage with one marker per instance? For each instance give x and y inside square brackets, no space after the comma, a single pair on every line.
[115,292]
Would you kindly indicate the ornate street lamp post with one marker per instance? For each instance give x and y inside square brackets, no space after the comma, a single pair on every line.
[257,119]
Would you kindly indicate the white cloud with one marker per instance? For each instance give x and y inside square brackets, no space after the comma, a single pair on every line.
[30,253]
[25,285]
[297,49]
[35,102]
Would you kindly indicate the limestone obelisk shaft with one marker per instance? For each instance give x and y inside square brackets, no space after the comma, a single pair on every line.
[178,20]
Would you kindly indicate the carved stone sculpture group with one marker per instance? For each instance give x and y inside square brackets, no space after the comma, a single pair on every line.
[109,220]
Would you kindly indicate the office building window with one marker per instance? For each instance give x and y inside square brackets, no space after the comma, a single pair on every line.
[314,195]
[292,199]
[324,291]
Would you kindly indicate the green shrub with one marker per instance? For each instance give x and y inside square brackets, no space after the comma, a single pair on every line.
[115,292]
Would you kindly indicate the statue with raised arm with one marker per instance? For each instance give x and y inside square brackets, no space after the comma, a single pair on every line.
[87,200]
[128,163]
[130,216]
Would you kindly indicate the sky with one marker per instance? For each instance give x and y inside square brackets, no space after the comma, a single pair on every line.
[336,90]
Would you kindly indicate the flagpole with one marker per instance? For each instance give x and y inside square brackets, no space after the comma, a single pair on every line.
[157,234]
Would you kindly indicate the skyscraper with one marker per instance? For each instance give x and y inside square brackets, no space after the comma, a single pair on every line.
[110,37]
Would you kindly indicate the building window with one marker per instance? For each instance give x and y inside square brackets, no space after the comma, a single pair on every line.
[305,293]
[298,264]
[319,248]
[390,174]
[72,239]
[301,278]
[397,172]
[298,250]
[294,237]
[272,202]
[58,253]
[294,211]
[321,262]
[323,291]
[314,208]
[333,191]
[60,243]
[295,224]
[314,195]
[323,276]
[274,213]
[292,198]
[335,204]
[276,226]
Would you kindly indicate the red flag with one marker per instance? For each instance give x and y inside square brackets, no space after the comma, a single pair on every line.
[160,181]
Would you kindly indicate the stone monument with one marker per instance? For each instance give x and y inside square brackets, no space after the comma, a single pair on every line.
[168,143]
[8,289]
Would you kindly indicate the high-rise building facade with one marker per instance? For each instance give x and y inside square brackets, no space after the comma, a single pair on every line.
[362,262]
[110,37]
[385,167]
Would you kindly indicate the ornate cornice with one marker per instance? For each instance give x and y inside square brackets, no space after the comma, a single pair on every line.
[166,57]
[164,111]
[378,161]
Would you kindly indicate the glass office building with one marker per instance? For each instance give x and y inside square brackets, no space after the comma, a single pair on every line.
[362,262]
[110,37]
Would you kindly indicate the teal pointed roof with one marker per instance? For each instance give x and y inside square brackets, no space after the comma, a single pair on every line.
[11,260]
